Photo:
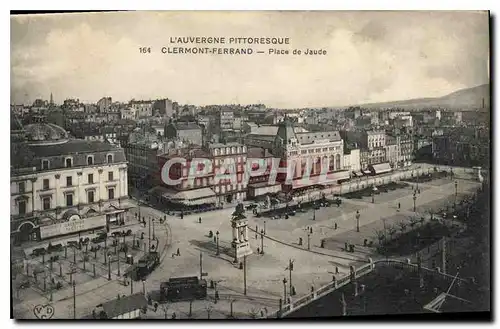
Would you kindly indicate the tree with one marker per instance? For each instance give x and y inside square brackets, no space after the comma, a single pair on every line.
[253,313]
[209,309]
[413,222]
[391,230]
[165,308]
[402,226]
[380,236]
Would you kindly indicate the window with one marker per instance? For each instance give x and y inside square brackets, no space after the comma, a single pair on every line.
[21,187]
[21,205]
[90,196]
[69,181]
[46,184]
[110,175]
[110,158]
[111,193]
[90,160]
[45,164]
[69,200]
[46,203]
[90,178]
[69,162]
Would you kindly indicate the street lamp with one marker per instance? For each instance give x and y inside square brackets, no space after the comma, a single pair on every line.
[357,220]
[456,193]
[308,240]
[109,267]
[74,299]
[264,227]
[414,201]
[217,239]
[284,288]
[290,269]
[262,242]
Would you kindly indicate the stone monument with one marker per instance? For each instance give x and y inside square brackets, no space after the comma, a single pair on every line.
[240,244]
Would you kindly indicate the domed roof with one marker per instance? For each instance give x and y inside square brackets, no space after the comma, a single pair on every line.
[45,133]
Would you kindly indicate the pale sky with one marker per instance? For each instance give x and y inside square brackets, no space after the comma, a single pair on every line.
[371,57]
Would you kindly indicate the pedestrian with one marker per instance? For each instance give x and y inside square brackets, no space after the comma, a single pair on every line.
[336,226]
[215,239]
[199,220]
[178,252]
[399,205]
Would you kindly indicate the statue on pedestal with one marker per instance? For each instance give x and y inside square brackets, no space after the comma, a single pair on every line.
[239,224]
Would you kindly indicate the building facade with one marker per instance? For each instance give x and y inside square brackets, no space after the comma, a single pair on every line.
[141,150]
[61,186]
[186,132]
[143,109]
[104,104]
[308,153]
[226,156]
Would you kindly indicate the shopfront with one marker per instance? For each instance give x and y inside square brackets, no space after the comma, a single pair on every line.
[72,226]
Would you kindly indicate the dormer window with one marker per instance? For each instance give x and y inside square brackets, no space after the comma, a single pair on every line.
[109,158]
[90,160]
[69,162]
[45,164]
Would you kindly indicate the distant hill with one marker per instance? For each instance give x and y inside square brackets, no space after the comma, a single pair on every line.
[466,99]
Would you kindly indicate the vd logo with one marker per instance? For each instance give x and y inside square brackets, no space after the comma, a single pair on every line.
[44,312]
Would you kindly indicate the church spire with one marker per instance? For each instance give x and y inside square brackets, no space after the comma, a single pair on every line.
[51,99]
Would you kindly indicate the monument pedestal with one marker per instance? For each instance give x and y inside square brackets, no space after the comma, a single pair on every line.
[240,245]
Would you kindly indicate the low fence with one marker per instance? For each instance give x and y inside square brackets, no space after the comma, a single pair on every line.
[292,306]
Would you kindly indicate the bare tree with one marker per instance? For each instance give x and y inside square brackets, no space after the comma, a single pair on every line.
[391,230]
[165,308]
[413,222]
[209,309]
[253,313]
[402,226]
[380,236]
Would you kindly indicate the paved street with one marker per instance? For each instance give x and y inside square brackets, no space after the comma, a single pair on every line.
[265,272]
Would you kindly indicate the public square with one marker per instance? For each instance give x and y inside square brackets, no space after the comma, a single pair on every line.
[313,266]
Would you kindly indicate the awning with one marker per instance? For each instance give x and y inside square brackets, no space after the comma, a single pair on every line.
[329,179]
[333,178]
[263,188]
[162,191]
[381,168]
[198,196]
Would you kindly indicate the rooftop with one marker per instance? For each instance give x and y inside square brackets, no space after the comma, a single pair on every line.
[45,133]
[257,152]
[74,146]
[214,145]
[186,126]
[124,305]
